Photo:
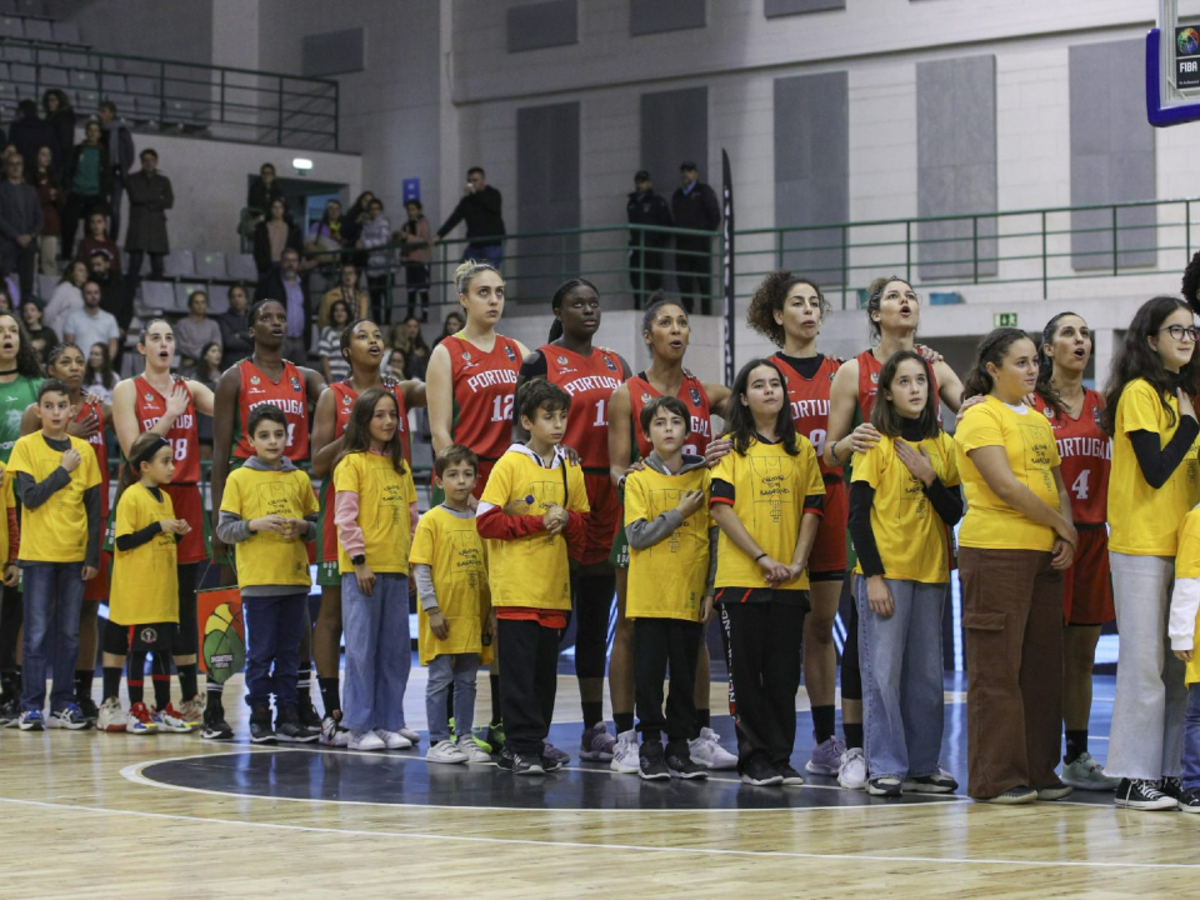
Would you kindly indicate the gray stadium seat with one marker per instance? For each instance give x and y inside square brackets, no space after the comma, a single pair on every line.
[65,32]
[179,264]
[210,264]
[14,53]
[140,85]
[240,267]
[158,295]
[112,82]
[81,79]
[12,27]
[218,300]
[54,77]
[147,109]
[87,101]
[22,73]
[47,57]
[38,30]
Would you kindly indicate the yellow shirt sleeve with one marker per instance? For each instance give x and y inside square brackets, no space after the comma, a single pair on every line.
[1141,408]
[499,487]
[19,460]
[231,500]
[725,468]
[577,501]
[90,466]
[952,477]
[347,476]
[979,428]
[867,465]
[423,541]
[635,499]
[815,484]
[308,497]
[126,514]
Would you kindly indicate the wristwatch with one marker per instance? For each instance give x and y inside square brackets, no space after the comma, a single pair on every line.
[358,560]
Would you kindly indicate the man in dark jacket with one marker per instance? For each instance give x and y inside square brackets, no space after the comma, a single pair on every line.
[480,208]
[29,134]
[290,287]
[20,223]
[235,330]
[694,205]
[645,255]
[150,196]
[119,143]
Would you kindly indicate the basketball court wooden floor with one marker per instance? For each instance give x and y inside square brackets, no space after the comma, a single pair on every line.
[101,816]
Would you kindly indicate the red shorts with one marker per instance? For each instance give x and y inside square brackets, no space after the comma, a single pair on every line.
[1087,588]
[827,561]
[97,589]
[603,520]
[188,505]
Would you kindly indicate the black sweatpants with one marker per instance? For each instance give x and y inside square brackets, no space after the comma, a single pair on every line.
[530,654]
[763,641]
[655,642]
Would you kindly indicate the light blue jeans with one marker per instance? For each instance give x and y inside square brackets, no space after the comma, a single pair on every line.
[378,653]
[901,661]
[459,669]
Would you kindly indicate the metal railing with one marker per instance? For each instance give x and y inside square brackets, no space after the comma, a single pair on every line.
[215,101]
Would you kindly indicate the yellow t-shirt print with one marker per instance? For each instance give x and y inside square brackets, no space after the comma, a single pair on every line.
[772,487]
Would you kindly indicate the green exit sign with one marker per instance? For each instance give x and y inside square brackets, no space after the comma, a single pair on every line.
[1004,320]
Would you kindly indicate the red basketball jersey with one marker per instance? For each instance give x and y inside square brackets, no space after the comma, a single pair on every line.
[1086,453]
[868,383]
[485,387]
[151,406]
[344,397]
[289,394]
[809,399]
[590,381]
[691,392]
[97,443]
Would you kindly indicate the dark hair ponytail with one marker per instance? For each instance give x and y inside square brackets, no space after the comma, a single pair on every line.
[1045,387]
[992,349]
[556,302]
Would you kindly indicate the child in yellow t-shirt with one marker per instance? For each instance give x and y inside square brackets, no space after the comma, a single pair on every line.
[59,481]
[268,511]
[450,570]
[672,561]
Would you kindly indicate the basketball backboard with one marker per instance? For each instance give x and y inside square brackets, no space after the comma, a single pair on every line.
[1173,65]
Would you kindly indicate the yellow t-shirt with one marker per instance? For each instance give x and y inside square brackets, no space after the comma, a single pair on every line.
[909,534]
[55,532]
[667,581]
[769,492]
[145,580]
[384,496]
[7,501]
[531,571]
[1144,521]
[267,558]
[1028,442]
[450,545]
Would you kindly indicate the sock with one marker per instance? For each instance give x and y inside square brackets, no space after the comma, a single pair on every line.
[162,690]
[329,695]
[854,734]
[188,678]
[1077,745]
[623,721]
[112,681]
[592,713]
[497,709]
[213,689]
[703,719]
[83,682]
[823,722]
[304,682]
[135,677]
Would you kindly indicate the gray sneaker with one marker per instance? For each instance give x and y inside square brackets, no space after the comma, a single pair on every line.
[1088,775]
[597,743]
[826,757]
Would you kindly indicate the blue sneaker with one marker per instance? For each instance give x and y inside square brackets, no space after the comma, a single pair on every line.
[31,720]
[70,717]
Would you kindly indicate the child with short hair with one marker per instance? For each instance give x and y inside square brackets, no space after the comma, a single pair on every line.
[59,481]
[535,503]
[268,511]
[373,494]
[143,609]
[455,622]
[672,563]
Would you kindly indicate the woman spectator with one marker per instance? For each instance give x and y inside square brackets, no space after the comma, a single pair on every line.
[99,378]
[98,239]
[41,338]
[348,292]
[377,232]
[197,331]
[416,256]
[61,117]
[418,350]
[399,346]
[329,348]
[452,325]
[66,297]
[353,223]
[263,192]
[88,181]
[274,236]
[44,176]
[207,371]
[326,235]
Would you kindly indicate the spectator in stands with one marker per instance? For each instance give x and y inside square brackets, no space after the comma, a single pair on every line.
[6,296]
[418,350]
[694,205]
[20,224]
[150,196]
[326,234]
[348,291]
[28,133]
[480,208]
[377,232]
[644,207]
[61,117]
[272,237]
[66,297]
[119,143]
[452,325]
[41,338]
[263,192]
[289,286]
[88,181]
[116,295]
[208,372]
[353,224]
[196,330]
[416,256]
[235,331]
[44,177]
[329,348]
[399,346]
[98,239]
[98,377]
[92,325]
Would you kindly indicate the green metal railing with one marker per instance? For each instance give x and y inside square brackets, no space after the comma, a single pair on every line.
[218,101]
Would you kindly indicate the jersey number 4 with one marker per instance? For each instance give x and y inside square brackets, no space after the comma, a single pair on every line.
[1080,487]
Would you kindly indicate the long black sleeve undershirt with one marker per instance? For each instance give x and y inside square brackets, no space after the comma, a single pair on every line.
[862,498]
[1157,463]
[947,501]
[127,542]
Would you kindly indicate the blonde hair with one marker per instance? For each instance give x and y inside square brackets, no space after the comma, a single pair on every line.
[465,274]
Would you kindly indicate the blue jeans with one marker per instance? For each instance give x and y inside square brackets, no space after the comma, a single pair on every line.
[378,653]
[459,668]
[490,253]
[274,626]
[1191,739]
[901,661]
[53,595]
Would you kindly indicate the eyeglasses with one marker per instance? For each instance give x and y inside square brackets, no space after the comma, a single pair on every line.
[1178,332]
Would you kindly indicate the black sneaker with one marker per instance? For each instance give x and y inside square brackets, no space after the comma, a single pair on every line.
[1189,802]
[681,764]
[307,714]
[505,761]
[551,763]
[1172,787]
[87,706]
[760,773]
[1136,793]
[652,764]
[260,725]
[10,713]
[527,765]
[215,726]
[289,730]
[1013,796]
[888,788]
[789,775]
[941,783]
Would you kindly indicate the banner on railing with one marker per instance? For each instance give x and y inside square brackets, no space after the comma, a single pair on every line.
[727,263]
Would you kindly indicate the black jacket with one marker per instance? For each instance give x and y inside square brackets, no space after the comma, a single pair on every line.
[648,209]
[481,211]
[698,209]
[262,195]
[31,135]
[262,245]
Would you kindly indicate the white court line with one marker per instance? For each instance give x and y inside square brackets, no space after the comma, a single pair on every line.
[579,845]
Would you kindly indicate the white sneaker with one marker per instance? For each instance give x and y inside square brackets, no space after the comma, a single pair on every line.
[852,772]
[365,740]
[626,754]
[445,752]
[409,735]
[393,740]
[112,717]
[707,751]
[473,752]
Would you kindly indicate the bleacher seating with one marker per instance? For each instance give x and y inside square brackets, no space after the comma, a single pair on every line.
[210,265]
